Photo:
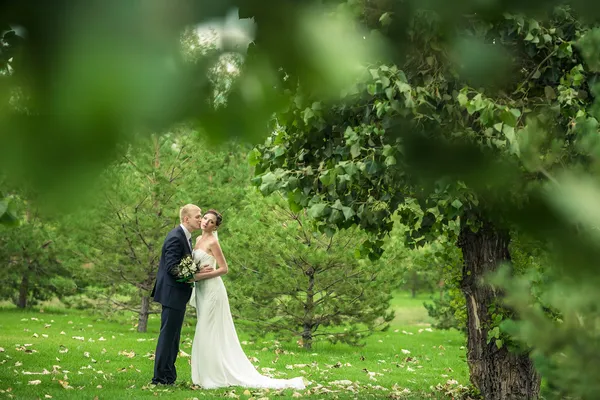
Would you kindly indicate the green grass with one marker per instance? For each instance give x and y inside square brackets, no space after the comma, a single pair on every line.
[409,310]
[77,355]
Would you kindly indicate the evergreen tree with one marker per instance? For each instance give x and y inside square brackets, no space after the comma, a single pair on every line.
[34,266]
[292,280]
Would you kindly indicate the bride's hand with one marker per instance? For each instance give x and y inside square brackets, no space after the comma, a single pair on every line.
[206,268]
[203,271]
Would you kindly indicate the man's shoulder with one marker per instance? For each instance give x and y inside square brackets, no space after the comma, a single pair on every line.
[175,232]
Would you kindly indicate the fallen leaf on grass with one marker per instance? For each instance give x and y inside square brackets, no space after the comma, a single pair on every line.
[36,382]
[1,349]
[44,372]
[18,364]
[343,382]
[47,396]
[128,354]
[78,338]
[65,384]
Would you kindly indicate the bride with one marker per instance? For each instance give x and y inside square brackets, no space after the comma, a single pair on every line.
[217,356]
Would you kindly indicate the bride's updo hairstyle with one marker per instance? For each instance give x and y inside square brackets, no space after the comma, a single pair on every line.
[216,214]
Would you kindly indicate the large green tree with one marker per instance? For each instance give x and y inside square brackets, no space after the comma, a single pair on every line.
[294,281]
[470,143]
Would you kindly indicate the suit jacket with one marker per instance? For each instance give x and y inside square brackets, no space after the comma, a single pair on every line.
[167,291]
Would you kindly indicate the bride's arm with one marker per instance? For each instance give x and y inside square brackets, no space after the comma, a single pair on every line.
[215,249]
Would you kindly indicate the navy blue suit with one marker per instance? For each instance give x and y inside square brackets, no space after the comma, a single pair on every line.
[173,296]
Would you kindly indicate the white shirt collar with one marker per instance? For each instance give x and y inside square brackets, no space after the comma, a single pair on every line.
[188,235]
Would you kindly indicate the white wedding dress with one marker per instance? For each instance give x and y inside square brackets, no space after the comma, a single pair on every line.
[218,359]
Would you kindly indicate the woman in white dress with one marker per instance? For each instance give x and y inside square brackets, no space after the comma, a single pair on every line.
[218,359]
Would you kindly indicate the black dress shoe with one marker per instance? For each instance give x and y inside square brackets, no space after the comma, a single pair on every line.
[163,383]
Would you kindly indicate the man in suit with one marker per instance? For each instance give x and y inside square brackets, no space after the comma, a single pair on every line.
[173,295]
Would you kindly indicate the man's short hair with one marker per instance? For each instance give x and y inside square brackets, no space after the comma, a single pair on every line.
[186,211]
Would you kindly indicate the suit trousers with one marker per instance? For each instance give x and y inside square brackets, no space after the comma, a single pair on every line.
[167,348]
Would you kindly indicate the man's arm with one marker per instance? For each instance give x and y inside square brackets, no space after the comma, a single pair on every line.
[173,254]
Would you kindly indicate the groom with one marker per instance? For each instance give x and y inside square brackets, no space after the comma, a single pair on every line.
[173,295]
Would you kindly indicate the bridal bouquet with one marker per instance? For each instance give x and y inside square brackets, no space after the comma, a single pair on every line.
[186,269]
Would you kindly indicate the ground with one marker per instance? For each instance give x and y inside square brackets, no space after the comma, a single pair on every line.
[64,354]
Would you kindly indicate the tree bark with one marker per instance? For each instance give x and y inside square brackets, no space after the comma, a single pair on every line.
[497,373]
[309,311]
[23,289]
[143,316]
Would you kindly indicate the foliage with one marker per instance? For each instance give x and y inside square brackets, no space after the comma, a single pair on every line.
[316,288]
[417,268]
[342,151]
[35,266]
[449,309]
[198,44]
[87,77]
[94,76]
[454,148]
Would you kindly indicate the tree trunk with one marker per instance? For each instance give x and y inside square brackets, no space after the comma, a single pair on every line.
[23,289]
[144,312]
[307,336]
[497,373]
[309,310]
[415,282]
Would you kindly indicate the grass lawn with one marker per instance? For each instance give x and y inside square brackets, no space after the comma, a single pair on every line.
[65,354]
